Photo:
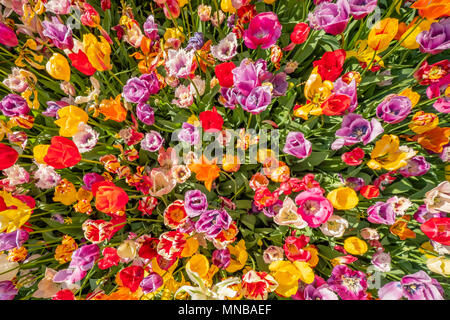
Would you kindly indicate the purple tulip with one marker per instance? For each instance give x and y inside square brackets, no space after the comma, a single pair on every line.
[321,293]
[437,38]
[83,259]
[229,96]
[221,258]
[246,77]
[280,84]
[394,109]
[347,283]
[381,213]
[212,222]
[152,141]
[264,30]
[14,239]
[416,286]
[355,183]
[196,42]
[138,90]
[7,290]
[90,178]
[257,101]
[195,203]
[356,129]
[189,133]
[53,108]
[340,87]
[8,36]
[422,215]
[382,261]
[151,283]
[331,17]
[14,105]
[145,113]
[361,8]
[271,211]
[297,145]
[416,166]
[59,33]
[151,28]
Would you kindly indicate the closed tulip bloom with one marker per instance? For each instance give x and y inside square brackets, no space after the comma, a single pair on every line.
[58,67]
[382,33]
[8,36]
[343,198]
[331,17]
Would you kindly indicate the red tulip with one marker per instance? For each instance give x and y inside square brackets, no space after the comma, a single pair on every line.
[211,121]
[81,62]
[437,229]
[131,277]
[300,33]
[8,156]
[110,258]
[224,75]
[149,249]
[293,248]
[62,153]
[370,191]
[331,64]
[336,104]
[109,198]
[354,157]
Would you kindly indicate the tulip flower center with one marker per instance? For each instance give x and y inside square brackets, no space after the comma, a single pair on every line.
[358,132]
[311,207]
[351,283]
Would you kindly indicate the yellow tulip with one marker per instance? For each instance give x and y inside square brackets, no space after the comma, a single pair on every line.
[386,154]
[422,122]
[343,198]
[355,246]
[182,3]
[190,247]
[269,1]
[98,52]
[227,6]
[58,67]
[287,274]
[239,257]
[381,35]
[174,33]
[199,264]
[39,152]
[230,163]
[13,219]
[69,119]
[440,265]
[65,192]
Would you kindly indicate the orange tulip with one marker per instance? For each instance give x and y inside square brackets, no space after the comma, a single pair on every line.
[400,228]
[435,139]
[112,109]
[206,171]
[432,9]
[382,34]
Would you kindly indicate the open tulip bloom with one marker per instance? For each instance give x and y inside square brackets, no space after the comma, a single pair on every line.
[225,150]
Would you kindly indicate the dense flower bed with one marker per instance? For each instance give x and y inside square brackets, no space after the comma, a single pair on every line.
[224,149]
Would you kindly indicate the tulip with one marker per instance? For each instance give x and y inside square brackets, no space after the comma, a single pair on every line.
[97,52]
[8,36]
[264,30]
[69,119]
[382,33]
[58,67]
[8,156]
[343,198]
